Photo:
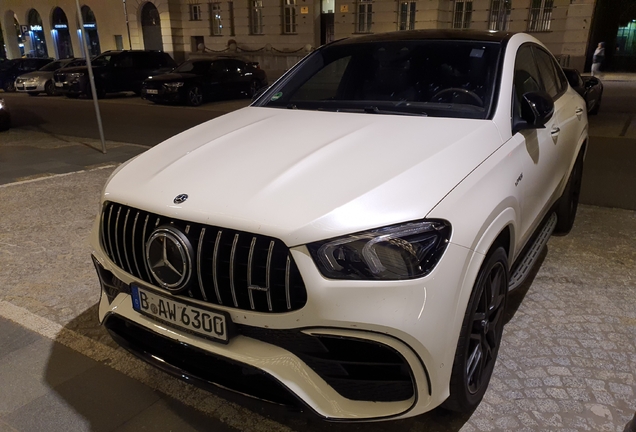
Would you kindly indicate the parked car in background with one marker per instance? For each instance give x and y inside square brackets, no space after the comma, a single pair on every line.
[114,71]
[349,239]
[41,80]
[11,69]
[589,87]
[5,117]
[195,81]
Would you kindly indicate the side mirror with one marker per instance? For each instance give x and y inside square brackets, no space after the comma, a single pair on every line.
[537,108]
[591,82]
[259,93]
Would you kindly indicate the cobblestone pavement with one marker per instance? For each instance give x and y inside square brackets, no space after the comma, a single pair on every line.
[567,362]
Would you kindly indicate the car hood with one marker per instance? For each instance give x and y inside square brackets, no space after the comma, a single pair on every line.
[303,176]
[38,75]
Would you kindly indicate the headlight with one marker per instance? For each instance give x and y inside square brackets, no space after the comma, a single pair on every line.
[174,84]
[1,104]
[405,251]
[76,75]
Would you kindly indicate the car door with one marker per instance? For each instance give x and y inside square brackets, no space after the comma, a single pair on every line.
[541,159]
[121,71]
[568,108]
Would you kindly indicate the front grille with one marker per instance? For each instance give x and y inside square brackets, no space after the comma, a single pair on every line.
[230,268]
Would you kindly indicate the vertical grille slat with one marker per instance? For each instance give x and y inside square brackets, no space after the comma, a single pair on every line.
[124,242]
[134,234]
[249,272]
[246,271]
[268,269]
[215,267]
[232,255]
[201,236]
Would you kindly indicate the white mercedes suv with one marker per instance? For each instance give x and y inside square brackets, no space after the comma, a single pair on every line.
[348,240]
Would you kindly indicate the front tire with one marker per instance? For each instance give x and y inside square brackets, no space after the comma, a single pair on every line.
[480,335]
[194,96]
[569,201]
[49,88]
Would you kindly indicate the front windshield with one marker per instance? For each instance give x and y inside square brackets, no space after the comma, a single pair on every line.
[195,67]
[51,67]
[417,77]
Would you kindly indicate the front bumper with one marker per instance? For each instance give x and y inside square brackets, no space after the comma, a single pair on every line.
[30,86]
[162,95]
[416,319]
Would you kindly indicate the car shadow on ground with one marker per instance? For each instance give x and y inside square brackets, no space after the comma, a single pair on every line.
[102,390]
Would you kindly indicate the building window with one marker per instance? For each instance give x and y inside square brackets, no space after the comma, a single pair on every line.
[216,25]
[195,12]
[365,16]
[256,17]
[230,8]
[499,14]
[406,18]
[540,15]
[462,14]
[289,16]
[197,44]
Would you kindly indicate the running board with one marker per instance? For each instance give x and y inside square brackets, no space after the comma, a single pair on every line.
[525,265]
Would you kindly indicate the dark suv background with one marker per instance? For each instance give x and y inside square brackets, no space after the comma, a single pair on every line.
[115,71]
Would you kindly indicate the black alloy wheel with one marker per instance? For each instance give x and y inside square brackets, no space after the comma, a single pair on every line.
[569,201]
[480,336]
[49,88]
[194,96]
[254,87]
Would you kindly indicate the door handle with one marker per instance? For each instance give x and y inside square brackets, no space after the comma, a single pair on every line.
[579,112]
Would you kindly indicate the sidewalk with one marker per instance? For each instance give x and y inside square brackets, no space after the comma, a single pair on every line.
[30,154]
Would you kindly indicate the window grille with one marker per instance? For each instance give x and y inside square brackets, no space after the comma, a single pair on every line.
[499,15]
[462,14]
[406,18]
[256,17]
[540,15]
[289,16]
[216,24]
[365,16]
[195,12]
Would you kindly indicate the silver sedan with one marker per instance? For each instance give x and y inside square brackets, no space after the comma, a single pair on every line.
[41,80]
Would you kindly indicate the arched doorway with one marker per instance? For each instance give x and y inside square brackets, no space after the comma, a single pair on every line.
[36,35]
[151,27]
[90,29]
[61,34]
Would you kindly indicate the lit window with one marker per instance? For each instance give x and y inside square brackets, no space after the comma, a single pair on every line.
[462,14]
[406,15]
[365,16]
[540,15]
[195,12]
[289,16]
[215,19]
[499,14]
[256,17]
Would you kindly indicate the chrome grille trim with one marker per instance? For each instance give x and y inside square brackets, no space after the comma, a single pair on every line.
[287,283]
[199,263]
[268,269]
[133,242]
[232,256]
[247,271]
[124,241]
[215,268]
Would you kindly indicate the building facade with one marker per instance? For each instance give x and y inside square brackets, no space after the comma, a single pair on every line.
[273,27]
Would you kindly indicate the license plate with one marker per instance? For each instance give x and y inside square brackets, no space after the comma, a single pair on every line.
[152,91]
[59,84]
[204,322]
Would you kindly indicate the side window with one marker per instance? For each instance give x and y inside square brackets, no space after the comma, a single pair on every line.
[123,61]
[526,77]
[551,81]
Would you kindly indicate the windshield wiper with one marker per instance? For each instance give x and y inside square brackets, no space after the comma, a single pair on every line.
[376,110]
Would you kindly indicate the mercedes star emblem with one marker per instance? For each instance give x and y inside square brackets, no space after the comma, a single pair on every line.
[169,258]
[180,198]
